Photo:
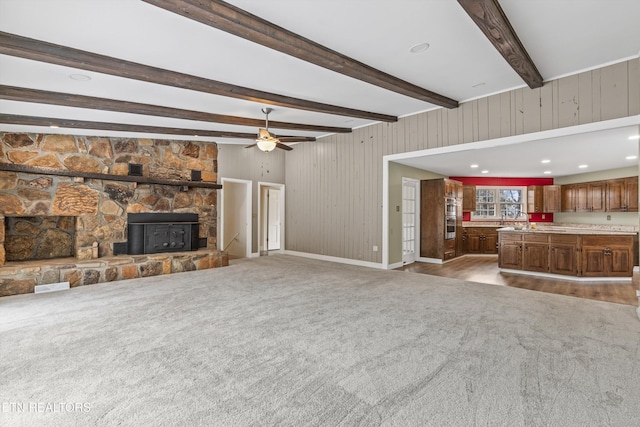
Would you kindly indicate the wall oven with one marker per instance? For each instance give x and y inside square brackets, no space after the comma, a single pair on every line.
[450,227]
[450,206]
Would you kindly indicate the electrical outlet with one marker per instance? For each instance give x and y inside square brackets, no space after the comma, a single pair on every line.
[375,248]
[608,217]
[397,208]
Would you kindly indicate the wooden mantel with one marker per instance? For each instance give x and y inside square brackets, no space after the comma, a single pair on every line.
[36,170]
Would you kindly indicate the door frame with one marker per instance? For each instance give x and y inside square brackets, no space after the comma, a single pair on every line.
[262,211]
[248,202]
[416,241]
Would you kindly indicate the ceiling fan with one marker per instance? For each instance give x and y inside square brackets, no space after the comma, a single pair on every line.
[266,141]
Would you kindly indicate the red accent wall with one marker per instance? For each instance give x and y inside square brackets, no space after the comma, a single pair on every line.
[490,181]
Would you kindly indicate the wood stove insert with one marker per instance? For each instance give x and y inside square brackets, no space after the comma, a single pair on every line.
[150,233]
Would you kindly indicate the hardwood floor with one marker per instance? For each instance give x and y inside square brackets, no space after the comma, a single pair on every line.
[484,269]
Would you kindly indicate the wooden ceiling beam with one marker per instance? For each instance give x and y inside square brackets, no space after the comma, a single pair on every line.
[236,21]
[492,21]
[37,50]
[121,127]
[21,94]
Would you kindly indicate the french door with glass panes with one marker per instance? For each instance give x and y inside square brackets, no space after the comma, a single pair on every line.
[410,218]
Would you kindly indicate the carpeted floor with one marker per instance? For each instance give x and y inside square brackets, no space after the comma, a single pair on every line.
[289,341]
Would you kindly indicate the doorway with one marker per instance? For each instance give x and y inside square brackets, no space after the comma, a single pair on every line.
[235,222]
[410,220]
[271,224]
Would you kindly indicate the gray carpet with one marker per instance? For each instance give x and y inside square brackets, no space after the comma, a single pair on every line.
[290,341]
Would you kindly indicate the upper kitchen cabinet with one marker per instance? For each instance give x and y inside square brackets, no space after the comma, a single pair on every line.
[452,188]
[543,198]
[622,195]
[584,197]
[535,198]
[615,195]
[468,198]
[551,198]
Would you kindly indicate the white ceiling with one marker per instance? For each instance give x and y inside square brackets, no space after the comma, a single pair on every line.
[566,155]
[562,37]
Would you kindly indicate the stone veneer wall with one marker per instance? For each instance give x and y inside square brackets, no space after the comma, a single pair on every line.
[101,206]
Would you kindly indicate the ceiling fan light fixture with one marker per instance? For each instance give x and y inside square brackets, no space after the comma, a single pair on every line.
[267,144]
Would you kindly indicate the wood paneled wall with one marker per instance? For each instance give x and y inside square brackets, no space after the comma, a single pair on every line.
[334,185]
[251,164]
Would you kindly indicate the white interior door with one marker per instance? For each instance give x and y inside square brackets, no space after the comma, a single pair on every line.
[273,219]
[409,220]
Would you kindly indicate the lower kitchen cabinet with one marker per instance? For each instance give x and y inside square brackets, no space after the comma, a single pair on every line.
[510,253]
[568,254]
[603,256]
[482,240]
[536,257]
[563,254]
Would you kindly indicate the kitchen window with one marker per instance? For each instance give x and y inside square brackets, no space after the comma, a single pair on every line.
[497,203]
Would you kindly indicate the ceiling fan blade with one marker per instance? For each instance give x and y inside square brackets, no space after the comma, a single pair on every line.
[252,145]
[296,138]
[283,146]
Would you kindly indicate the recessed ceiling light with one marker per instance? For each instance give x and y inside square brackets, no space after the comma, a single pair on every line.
[547,172]
[54,126]
[420,47]
[634,137]
[545,161]
[474,166]
[80,77]
[485,171]
[631,157]
[583,166]
[478,84]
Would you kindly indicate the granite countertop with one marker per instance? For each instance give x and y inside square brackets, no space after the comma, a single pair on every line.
[550,227]
[569,230]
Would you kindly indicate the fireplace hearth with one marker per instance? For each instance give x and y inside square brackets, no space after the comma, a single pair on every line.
[150,233]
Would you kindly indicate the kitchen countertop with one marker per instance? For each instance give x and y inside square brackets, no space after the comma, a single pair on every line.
[568,230]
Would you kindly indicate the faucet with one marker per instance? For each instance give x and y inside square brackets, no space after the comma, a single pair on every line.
[526,216]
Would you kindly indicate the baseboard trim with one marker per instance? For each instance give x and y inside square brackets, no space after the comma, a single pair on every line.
[395,265]
[562,277]
[430,260]
[349,261]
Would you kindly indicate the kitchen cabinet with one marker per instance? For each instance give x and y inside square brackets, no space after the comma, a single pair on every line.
[551,198]
[622,195]
[563,254]
[452,188]
[607,256]
[543,198]
[510,252]
[468,198]
[588,255]
[433,243]
[584,197]
[482,240]
[614,195]
[461,243]
[535,198]
[536,252]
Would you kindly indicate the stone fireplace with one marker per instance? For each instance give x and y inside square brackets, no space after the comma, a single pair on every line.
[70,196]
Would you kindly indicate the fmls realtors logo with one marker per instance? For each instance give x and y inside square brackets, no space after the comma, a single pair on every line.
[45,407]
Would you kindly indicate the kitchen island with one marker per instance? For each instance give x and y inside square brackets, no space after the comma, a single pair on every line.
[571,253]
